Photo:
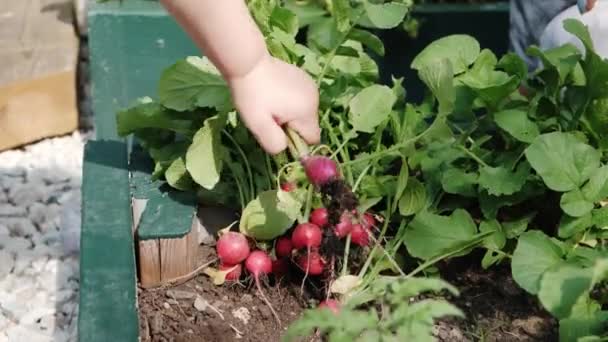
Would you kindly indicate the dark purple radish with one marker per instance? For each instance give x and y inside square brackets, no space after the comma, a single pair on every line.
[331,304]
[283,247]
[232,248]
[320,217]
[234,274]
[320,170]
[359,235]
[259,264]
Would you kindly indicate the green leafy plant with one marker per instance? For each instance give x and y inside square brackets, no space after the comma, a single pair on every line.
[494,158]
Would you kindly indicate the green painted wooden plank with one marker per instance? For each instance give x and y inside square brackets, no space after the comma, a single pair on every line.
[169,212]
[107,261]
[130,43]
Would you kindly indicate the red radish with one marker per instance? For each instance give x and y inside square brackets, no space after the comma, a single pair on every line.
[359,235]
[311,262]
[306,235]
[320,170]
[280,267]
[232,248]
[369,222]
[330,304]
[287,187]
[258,263]
[320,217]
[233,275]
[344,226]
[283,247]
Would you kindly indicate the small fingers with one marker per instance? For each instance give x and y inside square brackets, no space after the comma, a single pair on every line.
[308,129]
[267,132]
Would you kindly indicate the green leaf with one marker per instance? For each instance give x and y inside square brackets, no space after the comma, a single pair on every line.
[515,228]
[460,50]
[341,12]
[416,322]
[285,20]
[575,204]
[562,160]
[323,35]
[490,85]
[347,326]
[561,287]
[501,181]
[177,176]
[569,226]
[440,80]
[368,39]
[600,217]
[166,155]
[535,253]
[498,239]
[517,124]
[152,115]
[384,16]
[205,155]
[597,188]
[594,66]
[562,59]
[456,181]
[413,199]
[270,215]
[193,83]
[577,327]
[429,235]
[307,12]
[514,65]
[370,107]
[402,181]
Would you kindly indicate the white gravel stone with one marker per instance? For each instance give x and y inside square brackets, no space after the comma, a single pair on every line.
[34,315]
[16,244]
[8,210]
[22,333]
[7,262]
[26,194]
[38,279]
[37,213]
[21,227]
[4,323]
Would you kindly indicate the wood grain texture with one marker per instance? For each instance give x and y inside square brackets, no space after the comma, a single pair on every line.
[36,109]
[149,263]
[178,256]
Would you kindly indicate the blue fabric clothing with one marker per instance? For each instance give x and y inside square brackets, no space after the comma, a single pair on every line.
[528,20]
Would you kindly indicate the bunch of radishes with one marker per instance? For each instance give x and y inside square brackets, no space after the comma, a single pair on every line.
[302,245]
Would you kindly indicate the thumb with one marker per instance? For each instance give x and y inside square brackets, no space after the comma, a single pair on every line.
[267,132]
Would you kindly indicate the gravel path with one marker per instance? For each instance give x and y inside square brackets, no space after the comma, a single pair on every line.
[39,234]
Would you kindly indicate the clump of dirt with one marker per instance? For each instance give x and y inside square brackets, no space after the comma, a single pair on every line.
[338,198]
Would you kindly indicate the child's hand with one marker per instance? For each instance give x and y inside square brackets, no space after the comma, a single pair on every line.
[585,5]
[275,93]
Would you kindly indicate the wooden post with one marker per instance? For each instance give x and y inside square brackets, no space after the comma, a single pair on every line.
[165,261]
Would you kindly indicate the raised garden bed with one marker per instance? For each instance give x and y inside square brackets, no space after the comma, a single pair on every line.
[153,249]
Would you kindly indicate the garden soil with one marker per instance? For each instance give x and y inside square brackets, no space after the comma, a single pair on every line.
[496,310]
